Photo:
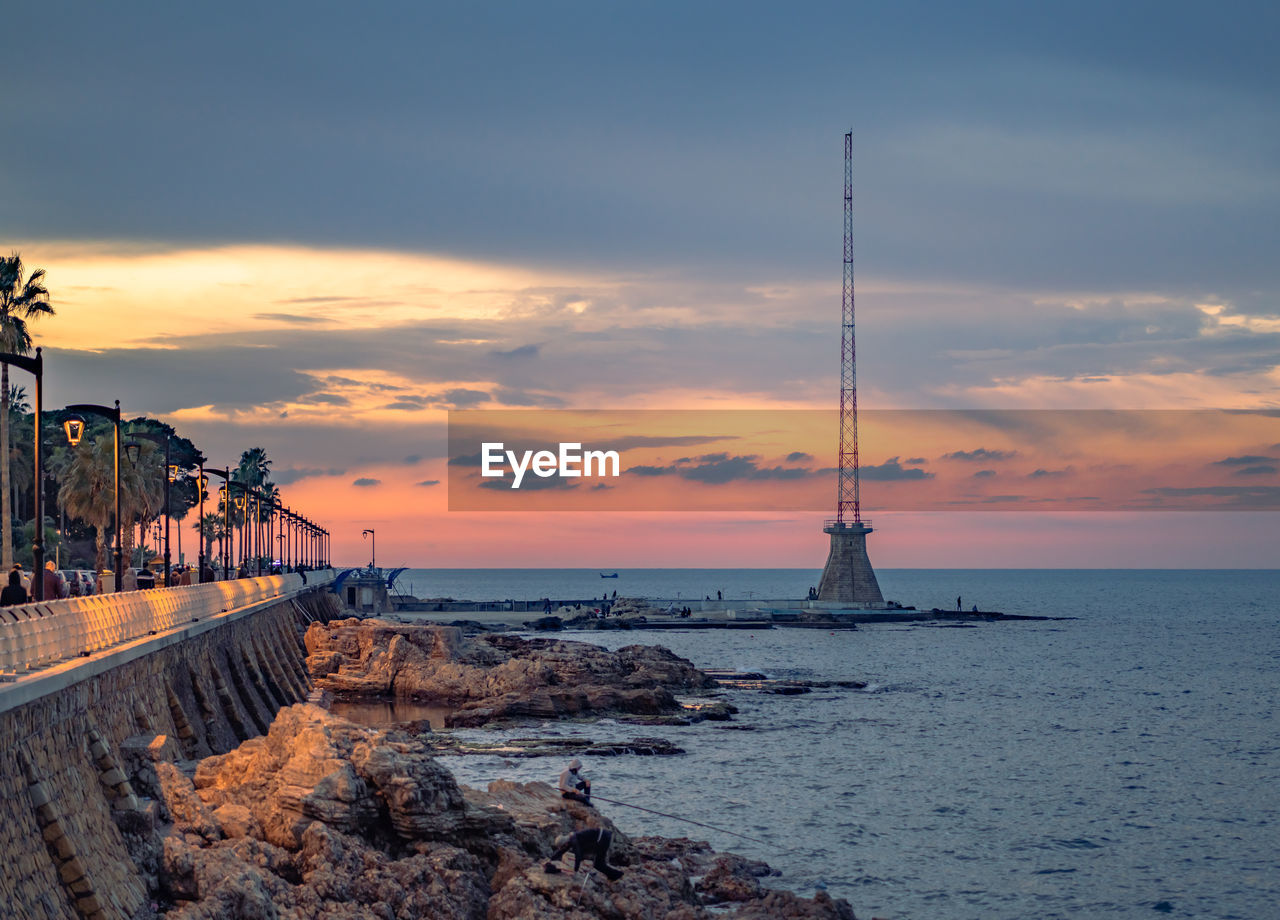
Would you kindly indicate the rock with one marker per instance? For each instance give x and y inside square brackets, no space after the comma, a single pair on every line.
[183,806]
[314,766]
[324,818]
[236,821]
[732,878]
[543,624]
[491,677]
[776,904]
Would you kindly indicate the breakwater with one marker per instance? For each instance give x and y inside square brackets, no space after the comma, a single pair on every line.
[74,731]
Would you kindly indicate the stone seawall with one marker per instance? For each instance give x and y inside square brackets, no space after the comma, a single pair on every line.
[65,797]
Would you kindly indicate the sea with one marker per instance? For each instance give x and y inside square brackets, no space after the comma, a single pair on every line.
[1122,760]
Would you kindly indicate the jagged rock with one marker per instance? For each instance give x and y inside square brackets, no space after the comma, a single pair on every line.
[485,678]
[776,904]
[314,766]
[236,821]
[732,878]
[324,818]
[182,804]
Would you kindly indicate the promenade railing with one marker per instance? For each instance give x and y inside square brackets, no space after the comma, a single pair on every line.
[41,634]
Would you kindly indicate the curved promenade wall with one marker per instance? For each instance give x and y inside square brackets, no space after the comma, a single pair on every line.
[213,677]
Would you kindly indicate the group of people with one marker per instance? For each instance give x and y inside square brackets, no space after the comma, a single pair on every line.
[17,591]
[56,585]
[588,842]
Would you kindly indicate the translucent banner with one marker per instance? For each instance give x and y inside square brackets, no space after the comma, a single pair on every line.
[911,460]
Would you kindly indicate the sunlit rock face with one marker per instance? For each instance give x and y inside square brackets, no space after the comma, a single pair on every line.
[487,678]
[324,818]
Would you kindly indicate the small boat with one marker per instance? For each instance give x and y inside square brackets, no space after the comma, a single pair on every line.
[610,575]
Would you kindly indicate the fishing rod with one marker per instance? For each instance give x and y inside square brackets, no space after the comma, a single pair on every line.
[712,827]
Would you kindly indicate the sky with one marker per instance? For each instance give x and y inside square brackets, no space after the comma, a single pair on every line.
[318,229]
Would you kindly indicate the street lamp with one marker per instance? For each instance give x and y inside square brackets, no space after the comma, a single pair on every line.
[224,503]
[35,366]
[75,433]
[373,547]
[202,481]
[168,478]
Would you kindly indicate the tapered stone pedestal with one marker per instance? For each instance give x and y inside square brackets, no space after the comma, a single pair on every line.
[848,577]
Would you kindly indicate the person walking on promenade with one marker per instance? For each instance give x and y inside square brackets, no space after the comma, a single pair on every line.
[54,585]
[146,578]
[573,785]
[591,840]
[14,593]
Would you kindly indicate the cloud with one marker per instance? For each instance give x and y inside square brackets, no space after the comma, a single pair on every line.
[529,484]
[893,471]
[461,397]
[290,475]
[721,468]
[524,351]
[984,474]
[428,482]
[365,482]
[300,319]
[1048,474]
[325,299]
[465,460]
[412,459]
[799,456]
[915,461]
[628,442]
[1262,469]
[1243,496]
[980,454]
[1246,460]
[510,396]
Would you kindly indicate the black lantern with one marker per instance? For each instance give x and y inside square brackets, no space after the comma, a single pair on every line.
[133,450]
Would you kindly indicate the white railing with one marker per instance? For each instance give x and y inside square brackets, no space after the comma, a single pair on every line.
[40,634]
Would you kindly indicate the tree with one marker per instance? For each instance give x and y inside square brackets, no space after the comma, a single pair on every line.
[85,492]
[20,301]
[87,489]
[212,528]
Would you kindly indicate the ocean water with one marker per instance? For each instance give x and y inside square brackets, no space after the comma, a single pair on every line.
[1125,763]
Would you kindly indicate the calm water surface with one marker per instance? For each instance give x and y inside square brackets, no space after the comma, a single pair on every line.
[1122,764]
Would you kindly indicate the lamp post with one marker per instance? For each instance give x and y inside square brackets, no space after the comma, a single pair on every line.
[201,481]
[168,477]
[35,366]
[74,428]
[224,551]
[373,546]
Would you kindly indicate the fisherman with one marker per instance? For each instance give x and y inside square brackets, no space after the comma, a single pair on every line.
[593,841]
[573,785]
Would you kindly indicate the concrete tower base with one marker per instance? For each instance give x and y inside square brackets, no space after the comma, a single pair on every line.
[848,576]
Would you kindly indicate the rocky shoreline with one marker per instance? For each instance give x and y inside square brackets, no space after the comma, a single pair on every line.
[497,677]
[325,817]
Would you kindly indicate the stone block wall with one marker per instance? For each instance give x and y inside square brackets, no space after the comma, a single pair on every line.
[63,795]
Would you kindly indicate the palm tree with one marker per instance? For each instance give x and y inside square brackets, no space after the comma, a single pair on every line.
[211,528]
[20,301]
[88,484]
[87,480]
[255,468]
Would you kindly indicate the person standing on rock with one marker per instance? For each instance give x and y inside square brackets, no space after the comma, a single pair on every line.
[573,785]
[592,840]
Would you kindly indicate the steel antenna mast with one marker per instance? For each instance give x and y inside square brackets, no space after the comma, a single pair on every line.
[848,499]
